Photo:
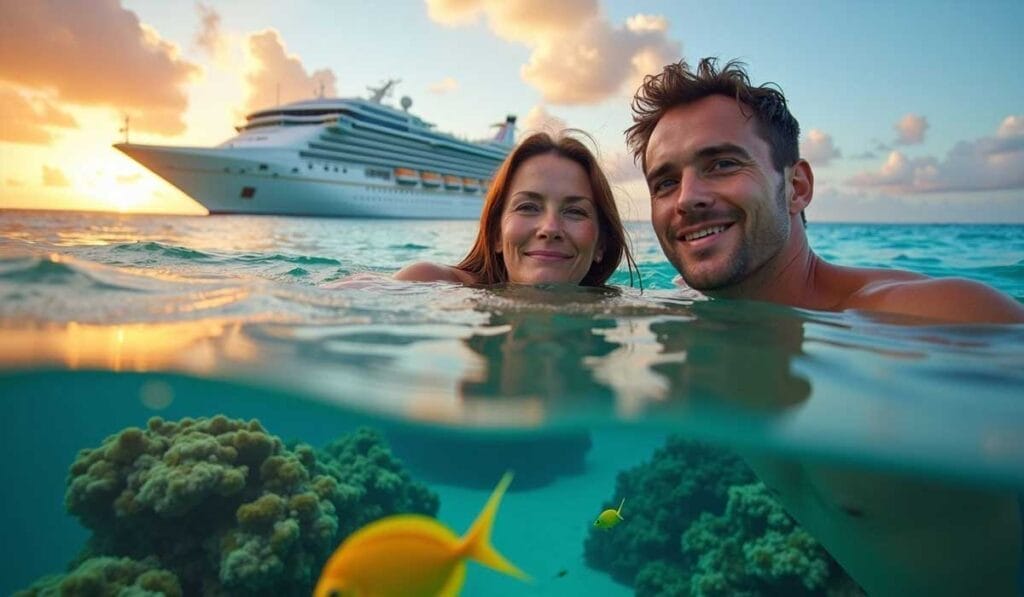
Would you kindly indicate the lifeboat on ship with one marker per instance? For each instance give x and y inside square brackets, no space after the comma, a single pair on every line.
[431,180]
[470,184]
[452,182]
[406,176]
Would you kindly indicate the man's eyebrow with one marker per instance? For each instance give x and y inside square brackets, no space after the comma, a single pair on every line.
[658,172]
[722,149]
[702,154]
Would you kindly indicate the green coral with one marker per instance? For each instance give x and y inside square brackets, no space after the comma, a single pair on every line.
[109,576]
[697,523]
[754,548]
[223,507]
[369,481]
[682,480]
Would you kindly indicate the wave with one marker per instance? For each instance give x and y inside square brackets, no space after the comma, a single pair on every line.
[163,250]
[277,257]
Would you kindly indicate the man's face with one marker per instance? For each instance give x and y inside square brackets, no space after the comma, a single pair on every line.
[718,206]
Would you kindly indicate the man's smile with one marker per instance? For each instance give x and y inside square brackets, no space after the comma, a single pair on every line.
[703,234]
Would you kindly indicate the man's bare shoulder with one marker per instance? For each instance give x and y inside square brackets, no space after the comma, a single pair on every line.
[424,271]
[953,300]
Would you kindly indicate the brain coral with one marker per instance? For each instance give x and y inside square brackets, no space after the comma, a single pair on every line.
[226,508]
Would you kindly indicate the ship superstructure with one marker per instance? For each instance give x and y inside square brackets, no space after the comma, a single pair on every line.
[350,157]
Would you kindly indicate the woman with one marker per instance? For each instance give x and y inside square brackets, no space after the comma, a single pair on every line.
[548,218]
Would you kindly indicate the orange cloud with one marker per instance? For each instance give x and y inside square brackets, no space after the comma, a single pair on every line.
[209,37]
[274,75]
[25,121]
[910,129]
[578,56]
[989,163]
[98,54]
[538,119]
[53,177]
[819,149]
[445,85]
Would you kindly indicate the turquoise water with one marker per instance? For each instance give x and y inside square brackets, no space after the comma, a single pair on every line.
[108,320]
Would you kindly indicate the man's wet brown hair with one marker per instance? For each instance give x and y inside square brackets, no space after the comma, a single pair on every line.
[677,84]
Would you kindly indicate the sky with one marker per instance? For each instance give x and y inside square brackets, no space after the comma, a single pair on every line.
[909,111]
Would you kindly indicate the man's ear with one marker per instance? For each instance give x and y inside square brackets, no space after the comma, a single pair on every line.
[801,180]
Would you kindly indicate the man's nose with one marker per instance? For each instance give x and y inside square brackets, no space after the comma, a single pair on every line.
[694,193]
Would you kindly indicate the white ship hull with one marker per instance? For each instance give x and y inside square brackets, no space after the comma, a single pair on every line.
[264,181]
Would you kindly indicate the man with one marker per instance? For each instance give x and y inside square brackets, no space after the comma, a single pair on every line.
[728,191]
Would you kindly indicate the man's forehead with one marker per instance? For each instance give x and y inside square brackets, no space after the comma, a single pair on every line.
[711,121]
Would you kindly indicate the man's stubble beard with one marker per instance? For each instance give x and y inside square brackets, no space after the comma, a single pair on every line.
[751,254]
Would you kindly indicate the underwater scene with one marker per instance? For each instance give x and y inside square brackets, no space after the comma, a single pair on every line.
[213,405]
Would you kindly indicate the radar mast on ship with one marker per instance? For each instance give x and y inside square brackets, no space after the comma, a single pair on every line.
[379,93]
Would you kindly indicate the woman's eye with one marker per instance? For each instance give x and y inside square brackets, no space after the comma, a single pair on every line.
[526,207]
[578,212]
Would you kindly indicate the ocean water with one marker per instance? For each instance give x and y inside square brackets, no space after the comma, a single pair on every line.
[417,397]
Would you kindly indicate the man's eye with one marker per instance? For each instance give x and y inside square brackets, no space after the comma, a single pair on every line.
[663,186]
[723,164]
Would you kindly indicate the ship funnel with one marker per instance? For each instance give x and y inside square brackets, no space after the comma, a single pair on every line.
[506,131]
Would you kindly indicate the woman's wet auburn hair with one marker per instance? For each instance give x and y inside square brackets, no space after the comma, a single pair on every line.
[488,266]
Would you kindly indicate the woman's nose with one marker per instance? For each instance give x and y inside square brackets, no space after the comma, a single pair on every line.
[550,225]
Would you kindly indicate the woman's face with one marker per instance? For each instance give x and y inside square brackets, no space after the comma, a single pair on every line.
[549,227]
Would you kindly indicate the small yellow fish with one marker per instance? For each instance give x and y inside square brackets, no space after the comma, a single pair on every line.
[609,517]
[410,554]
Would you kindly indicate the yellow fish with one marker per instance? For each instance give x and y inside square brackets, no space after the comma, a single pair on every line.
[609,517]
[410,554]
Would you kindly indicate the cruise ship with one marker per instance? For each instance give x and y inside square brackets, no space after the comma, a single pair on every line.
[343,157]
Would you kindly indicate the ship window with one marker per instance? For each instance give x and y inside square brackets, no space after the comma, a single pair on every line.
[263,166]
[295,170]
[248,192]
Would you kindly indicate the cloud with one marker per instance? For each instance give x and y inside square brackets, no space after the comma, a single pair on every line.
[578,57]
[209,37]
[910,129]
[25,121]
[14,182]
[1012,126]
[274,75]
[838,205]
[621,168]
[445,85]
[95,54]
[53,177]
[818,149]
[985,164]
[867,155]
[538,119]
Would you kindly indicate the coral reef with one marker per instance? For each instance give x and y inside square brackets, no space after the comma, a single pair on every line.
[697,523]
[224,507]
[682,480]
[108,576]
[755,548]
